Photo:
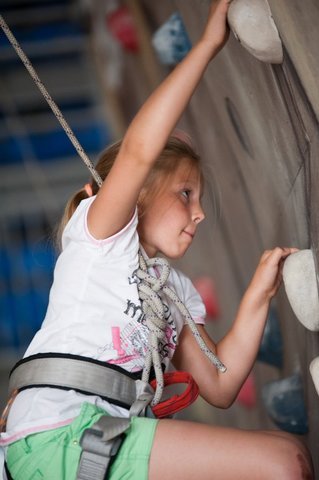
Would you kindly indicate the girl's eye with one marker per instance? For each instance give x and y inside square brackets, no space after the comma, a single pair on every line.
[186,194]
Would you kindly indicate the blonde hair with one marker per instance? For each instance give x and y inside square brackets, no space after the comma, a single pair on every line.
[175,151]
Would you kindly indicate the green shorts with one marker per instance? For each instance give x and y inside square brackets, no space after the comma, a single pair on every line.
[55,454]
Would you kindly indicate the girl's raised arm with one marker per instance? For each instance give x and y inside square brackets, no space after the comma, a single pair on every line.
[150,129]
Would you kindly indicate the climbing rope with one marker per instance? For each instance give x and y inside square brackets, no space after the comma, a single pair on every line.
[149,287]
[55,109]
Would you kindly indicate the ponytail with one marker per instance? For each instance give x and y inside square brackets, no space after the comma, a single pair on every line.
[103,168]
[70,208]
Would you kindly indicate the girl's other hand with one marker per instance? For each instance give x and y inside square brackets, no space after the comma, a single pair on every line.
[217,30]
[268,275]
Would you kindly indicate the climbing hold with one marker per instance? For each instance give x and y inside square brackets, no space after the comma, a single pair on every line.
[254,27]
[284,402]
[121,24]
[271,347]
[206,288]
[171,41]
[314,371]
[247,395]
[300,279]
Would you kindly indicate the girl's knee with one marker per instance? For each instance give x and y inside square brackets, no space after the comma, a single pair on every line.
[293,461]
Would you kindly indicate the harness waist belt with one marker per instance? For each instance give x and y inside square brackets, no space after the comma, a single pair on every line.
[74,372]
[92,377]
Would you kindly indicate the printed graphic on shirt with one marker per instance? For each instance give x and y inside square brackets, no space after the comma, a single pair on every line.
[131,343]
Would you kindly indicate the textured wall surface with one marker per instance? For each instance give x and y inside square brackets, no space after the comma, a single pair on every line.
[256,127]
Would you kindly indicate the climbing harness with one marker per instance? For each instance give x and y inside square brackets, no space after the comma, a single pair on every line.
[93,377]
[101,442]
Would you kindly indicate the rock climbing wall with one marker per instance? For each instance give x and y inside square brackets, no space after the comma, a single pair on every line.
[256,127]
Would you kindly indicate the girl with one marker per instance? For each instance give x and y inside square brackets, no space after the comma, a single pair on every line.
[150,196]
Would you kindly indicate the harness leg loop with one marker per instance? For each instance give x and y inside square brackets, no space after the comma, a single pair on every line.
[100,444]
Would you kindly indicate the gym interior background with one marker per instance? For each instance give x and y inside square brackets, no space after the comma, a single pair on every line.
[256,127]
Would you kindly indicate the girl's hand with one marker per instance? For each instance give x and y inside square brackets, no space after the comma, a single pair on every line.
[268,275]
[217,30]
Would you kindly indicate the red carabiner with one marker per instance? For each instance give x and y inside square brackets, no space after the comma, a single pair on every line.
[177,402]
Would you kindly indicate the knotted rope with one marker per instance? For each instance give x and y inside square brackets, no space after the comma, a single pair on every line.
[149,288]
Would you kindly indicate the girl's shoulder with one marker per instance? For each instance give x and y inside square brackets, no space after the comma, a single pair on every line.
[77,231]
[178,277]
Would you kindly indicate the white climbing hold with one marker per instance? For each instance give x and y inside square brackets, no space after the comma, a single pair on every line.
[314,371]
[300,279]
[254,27]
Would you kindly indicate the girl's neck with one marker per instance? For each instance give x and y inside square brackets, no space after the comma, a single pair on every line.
[148,250]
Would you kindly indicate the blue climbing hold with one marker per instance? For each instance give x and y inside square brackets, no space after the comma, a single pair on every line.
[171,41]
[284,402]
[271,348]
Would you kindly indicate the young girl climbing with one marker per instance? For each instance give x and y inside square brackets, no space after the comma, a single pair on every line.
[107,306]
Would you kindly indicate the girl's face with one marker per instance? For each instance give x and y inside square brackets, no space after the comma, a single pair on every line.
[170,220]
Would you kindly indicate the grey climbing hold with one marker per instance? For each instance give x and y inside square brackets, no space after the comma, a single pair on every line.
[285,404]
[314,371]
[171,41]
[300,279]
[254,27]
[271,347]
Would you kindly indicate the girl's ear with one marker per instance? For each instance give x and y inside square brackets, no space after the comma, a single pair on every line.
[88,188]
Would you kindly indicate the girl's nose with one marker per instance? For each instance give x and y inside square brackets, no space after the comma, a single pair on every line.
[198,215]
